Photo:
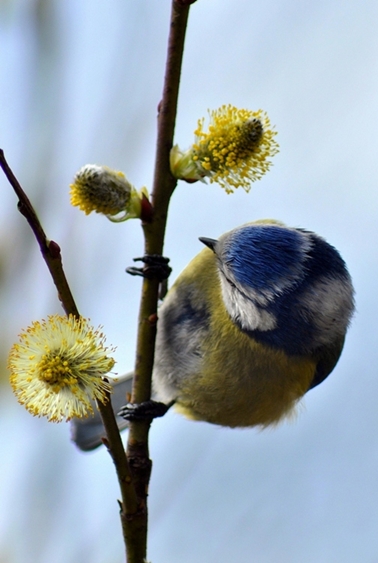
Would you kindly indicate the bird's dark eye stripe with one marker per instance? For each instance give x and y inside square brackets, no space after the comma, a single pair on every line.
[246,297]
[230,283]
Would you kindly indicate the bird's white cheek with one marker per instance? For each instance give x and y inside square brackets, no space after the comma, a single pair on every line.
[244,312]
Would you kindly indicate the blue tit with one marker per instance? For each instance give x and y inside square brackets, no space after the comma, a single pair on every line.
[253,322]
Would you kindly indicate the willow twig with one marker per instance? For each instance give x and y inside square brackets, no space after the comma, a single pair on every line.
[50,250]
[51,253]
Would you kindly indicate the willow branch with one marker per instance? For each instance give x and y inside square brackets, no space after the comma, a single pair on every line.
[154,231]
[50,250]
[51,253]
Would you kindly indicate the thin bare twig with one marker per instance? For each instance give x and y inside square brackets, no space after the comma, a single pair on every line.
[51,253]
[50,250]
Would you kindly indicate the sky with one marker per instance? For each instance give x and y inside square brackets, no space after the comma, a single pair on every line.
[80,83]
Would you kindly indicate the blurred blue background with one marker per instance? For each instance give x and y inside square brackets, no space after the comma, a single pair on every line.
[80,83]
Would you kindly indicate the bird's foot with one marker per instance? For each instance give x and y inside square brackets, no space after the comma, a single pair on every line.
[148,410]
[155,266]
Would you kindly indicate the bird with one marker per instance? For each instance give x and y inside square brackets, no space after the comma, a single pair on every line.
[254,321]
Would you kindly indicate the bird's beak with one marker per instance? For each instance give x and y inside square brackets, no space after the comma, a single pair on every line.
[210,242]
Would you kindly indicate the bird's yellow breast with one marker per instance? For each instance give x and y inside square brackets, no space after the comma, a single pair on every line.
[239,382]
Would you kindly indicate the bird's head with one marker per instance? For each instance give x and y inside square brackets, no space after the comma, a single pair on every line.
[275,277]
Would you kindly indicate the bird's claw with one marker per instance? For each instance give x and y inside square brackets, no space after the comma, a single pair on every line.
[155,266]
[148,410]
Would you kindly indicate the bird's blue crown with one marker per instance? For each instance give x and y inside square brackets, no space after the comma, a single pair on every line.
[261,256]
[274,257]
